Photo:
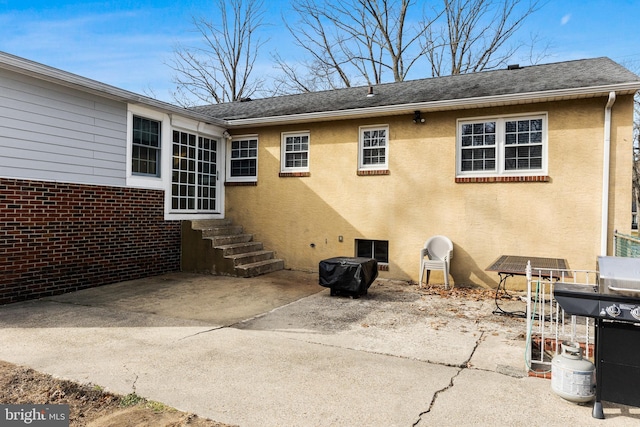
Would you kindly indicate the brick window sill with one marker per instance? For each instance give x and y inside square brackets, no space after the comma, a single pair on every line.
[492,179]
[241,184]
[374,172]
[294,174]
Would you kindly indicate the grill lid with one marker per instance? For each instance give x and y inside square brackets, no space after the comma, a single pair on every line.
[619,275]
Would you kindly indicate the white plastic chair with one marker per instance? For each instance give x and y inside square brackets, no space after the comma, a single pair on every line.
[436,255]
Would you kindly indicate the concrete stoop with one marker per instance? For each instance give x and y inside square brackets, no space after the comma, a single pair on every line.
[216,246]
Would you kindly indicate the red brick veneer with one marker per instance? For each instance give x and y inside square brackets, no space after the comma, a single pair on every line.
[57,238]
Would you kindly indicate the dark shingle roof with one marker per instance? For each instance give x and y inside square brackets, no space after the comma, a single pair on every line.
[588,73]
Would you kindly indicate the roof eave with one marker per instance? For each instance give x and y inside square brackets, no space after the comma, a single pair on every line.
[453,104]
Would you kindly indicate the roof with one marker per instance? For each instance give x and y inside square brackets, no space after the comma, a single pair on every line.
[562,80]
[516,85]
[63,78]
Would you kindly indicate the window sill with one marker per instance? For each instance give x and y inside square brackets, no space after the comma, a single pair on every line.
[374,172]
[492,179]
[294,174]
[240,184]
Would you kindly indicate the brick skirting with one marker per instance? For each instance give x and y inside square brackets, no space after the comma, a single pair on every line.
[57,238]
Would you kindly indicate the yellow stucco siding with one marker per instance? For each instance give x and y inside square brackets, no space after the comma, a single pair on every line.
[301,218]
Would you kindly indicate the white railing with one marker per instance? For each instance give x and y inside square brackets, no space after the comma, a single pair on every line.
[547,324]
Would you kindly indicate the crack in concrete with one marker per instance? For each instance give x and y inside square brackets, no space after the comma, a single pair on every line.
[461,368]
[217,328]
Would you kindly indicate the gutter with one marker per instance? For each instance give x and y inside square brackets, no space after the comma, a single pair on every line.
[604,232]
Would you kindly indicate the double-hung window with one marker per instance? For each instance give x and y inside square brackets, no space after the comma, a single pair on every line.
[146,143]
[295,152]
[242,165]
[373,148]
[502,146]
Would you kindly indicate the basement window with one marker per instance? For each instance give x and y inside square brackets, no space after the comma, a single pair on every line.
[377,249]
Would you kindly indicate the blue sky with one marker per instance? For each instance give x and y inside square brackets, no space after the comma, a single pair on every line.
[128,43]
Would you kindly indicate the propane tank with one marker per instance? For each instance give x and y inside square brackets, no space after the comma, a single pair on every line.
[572,377]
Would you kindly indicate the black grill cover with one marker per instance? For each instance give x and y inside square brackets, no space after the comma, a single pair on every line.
[348,274]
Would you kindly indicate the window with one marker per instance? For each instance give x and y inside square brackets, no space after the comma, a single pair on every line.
[378,249]
[243,159]
[145,155]
[194,174]
[373,147]
[295,152]
[502,146]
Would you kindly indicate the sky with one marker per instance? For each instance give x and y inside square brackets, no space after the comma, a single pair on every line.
[128,44]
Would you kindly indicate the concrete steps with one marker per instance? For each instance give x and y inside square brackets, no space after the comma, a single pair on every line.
[219,247]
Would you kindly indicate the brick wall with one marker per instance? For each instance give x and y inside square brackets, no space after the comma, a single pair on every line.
[57,238]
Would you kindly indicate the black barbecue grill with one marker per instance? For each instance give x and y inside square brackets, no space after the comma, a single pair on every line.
[614,303]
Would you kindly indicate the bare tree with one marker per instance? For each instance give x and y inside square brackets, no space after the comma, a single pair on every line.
[373,41]
[353,42]
[220,69]
[476,33]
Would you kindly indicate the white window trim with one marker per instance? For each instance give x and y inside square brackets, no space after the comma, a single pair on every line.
[380,166]
[500,146]
[283,156]
[230,178]
[142,181]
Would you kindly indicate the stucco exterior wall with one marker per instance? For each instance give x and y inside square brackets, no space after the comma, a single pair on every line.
[302,218]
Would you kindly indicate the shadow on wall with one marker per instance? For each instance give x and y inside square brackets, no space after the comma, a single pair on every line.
[472,273]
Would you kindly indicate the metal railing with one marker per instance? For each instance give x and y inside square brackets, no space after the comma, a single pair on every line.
[547,324]
[625,245]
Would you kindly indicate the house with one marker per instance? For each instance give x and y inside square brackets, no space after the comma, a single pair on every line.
[96,182]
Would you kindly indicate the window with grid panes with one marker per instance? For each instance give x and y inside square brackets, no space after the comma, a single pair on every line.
[194,173]
[502,146]
[243,159]
[145,155]
[295,152]
[373,147]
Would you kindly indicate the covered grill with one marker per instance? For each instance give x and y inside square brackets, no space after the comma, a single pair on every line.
[348,276]
[614,303]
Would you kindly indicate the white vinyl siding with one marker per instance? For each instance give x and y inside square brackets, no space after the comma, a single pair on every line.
[48,132]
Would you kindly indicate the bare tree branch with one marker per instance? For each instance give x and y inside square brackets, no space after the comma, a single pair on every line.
[372,41]
[354,41]
[220,69]
[476,33]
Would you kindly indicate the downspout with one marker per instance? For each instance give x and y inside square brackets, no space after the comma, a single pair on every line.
[604,233]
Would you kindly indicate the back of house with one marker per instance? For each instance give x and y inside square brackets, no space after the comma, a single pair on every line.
[95,181]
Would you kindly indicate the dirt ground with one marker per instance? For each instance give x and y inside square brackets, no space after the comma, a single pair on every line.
[93,407]
[90,406]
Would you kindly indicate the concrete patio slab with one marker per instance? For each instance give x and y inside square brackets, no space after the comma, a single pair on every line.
[278,350]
